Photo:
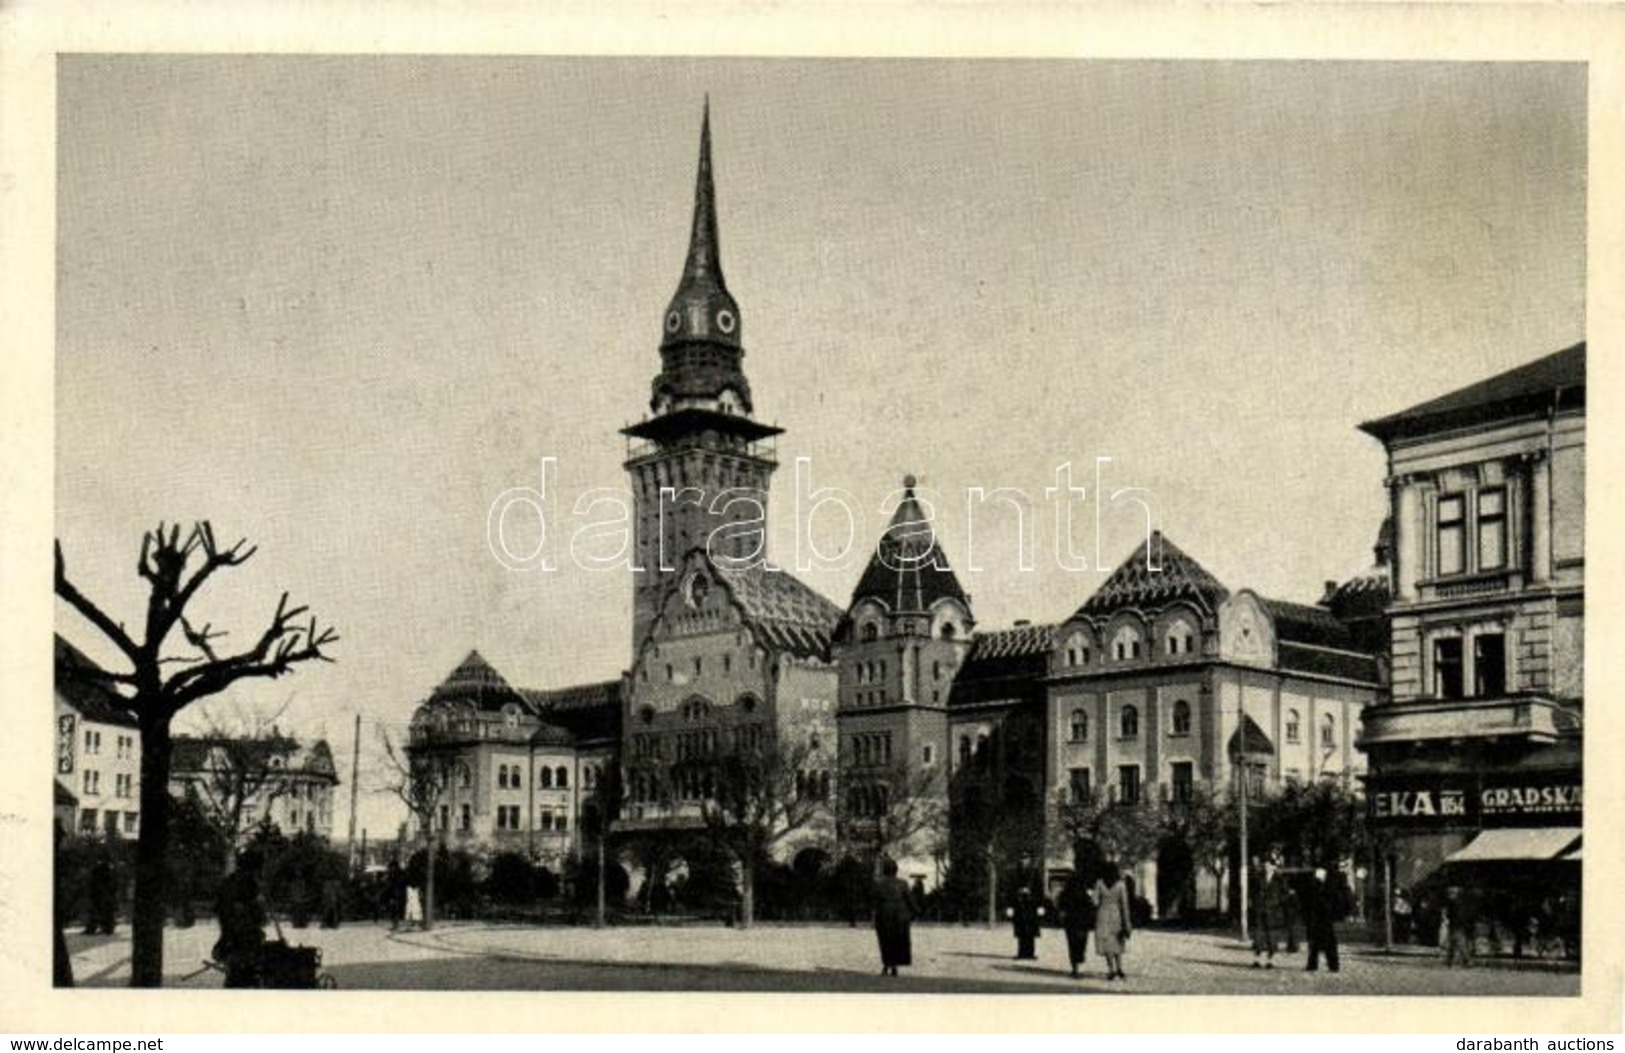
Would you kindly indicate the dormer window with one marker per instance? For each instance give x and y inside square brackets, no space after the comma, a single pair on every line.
[1126,644]
[869,633]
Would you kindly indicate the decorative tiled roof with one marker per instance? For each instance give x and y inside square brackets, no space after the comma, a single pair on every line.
[582,712]
[1176,577]
[1558,378]
[1301,623]
[475,682]
[786,614]
[909,571]
[1003,665]
[93,701]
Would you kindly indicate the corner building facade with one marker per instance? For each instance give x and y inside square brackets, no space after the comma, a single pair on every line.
[1476,759]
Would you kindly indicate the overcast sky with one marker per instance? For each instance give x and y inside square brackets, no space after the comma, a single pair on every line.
[338,305]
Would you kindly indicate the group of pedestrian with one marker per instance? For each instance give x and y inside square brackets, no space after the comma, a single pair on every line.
[404,892]
[1277,907]
[1103,908]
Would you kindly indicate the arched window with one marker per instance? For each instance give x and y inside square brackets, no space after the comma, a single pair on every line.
[870,632]
[1293,733]
[1126,643]
[516,777]
[546,775]
[1328,730]
[1080,725]
[1182,718]
[1128,722]
[948,631]
[1077,650]
[561,778]
[502,777]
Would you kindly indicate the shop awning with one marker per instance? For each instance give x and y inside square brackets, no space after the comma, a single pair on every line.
[1535,843]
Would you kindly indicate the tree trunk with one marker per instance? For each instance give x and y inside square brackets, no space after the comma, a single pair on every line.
[747,894]
[147,915]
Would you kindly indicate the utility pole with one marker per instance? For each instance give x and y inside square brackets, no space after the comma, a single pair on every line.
[1246,862]
[355,786]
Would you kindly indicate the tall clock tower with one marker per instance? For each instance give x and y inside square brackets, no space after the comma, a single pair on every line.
[700,466]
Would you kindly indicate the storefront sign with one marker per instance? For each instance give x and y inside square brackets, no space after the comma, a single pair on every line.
[1504,797]
[64,743]
[1471,799]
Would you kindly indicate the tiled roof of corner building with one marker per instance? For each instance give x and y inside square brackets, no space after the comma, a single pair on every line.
[581,711]
[1534,382]
[92,700]
[788,615]
[475,682]
[1135,584]
[1314,640]
[909,571]
[1003,664]
[1301,623]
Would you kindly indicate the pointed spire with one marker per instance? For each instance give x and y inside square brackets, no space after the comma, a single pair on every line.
[702,311]
[704,247]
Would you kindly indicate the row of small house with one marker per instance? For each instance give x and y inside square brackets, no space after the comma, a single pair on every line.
[253,778]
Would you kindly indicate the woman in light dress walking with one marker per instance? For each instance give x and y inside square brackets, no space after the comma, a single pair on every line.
[1112,922]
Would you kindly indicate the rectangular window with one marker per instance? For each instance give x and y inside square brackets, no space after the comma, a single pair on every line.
[1447,681]
[547,820]
[1078,785]
[445,817]
[129,823]
[1451,554]
[1128,784]
[1490,665]
[87,821]
[1182,781]
[1492,529]
[564,823]
[466,822]
[926,756]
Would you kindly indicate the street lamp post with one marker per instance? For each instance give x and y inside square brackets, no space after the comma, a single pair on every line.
[1246,861]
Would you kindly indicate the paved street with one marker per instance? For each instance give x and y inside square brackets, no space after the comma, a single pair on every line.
[947,959]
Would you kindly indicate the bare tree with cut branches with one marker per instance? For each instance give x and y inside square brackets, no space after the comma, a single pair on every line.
[235,772]
[421,780]
[751,801]
[885,811]
[166,665]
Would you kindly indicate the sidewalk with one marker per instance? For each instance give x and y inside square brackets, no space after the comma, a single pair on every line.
[947,959]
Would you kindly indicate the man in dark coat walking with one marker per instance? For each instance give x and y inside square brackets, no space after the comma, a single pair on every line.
[1077,909]
[1024,917]
[1321,904]
[241,912]
[894,912]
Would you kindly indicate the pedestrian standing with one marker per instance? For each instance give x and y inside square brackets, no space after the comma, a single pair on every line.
[332,900]
[1024,917]
[1402,917]
[395,893]
[414,901]
[1462,923]
[1113,920]
[894,913]
[1269,914]
[1077,909]
[103,896]
[1320,905]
